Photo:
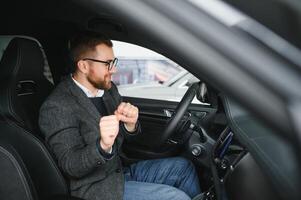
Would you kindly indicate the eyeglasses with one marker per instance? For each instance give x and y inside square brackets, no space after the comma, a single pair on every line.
[109,64]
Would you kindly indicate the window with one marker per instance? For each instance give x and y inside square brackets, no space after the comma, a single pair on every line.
[144,73]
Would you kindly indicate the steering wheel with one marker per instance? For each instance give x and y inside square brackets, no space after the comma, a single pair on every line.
[180,110]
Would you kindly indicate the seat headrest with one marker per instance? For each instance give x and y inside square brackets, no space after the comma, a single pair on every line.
[22,57]
[22,82]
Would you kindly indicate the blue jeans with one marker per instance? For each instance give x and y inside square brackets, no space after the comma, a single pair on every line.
[164,179]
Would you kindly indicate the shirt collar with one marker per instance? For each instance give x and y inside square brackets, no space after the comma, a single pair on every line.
[87,91]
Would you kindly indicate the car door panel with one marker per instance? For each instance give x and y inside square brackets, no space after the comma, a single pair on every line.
[153,117]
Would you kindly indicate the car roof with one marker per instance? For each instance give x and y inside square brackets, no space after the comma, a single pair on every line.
[283,17]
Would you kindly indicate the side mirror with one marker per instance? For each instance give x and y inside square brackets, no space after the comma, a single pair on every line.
[202,94]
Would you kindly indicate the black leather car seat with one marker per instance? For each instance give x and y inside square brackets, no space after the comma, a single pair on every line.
[23,86]
[15,181]
[22,90]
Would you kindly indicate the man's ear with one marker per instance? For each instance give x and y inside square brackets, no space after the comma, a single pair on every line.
[82,66]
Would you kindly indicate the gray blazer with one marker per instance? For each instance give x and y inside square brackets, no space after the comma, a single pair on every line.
[70,123]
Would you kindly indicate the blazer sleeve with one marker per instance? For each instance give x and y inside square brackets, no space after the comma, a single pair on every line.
[128,135]
[74,156]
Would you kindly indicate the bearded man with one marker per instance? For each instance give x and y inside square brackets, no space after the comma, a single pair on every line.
[85,122]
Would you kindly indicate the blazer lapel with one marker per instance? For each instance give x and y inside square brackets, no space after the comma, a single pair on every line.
[83,100]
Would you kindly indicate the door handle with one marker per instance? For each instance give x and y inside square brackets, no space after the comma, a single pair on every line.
[167,113]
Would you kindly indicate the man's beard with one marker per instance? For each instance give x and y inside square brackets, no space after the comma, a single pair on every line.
[104,84]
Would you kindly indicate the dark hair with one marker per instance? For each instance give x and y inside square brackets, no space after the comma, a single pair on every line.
[83,43]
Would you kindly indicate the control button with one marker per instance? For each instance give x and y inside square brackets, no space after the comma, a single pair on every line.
[196,150]
[99,162]
[224,164]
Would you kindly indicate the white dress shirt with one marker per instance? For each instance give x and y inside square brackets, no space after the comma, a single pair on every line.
[87,91]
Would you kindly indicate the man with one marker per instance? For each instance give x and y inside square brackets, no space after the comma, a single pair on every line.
[85,122]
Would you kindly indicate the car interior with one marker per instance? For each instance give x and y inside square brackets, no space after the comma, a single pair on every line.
[237,155]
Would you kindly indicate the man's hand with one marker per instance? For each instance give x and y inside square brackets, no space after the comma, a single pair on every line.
[128,114]
[109,128]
